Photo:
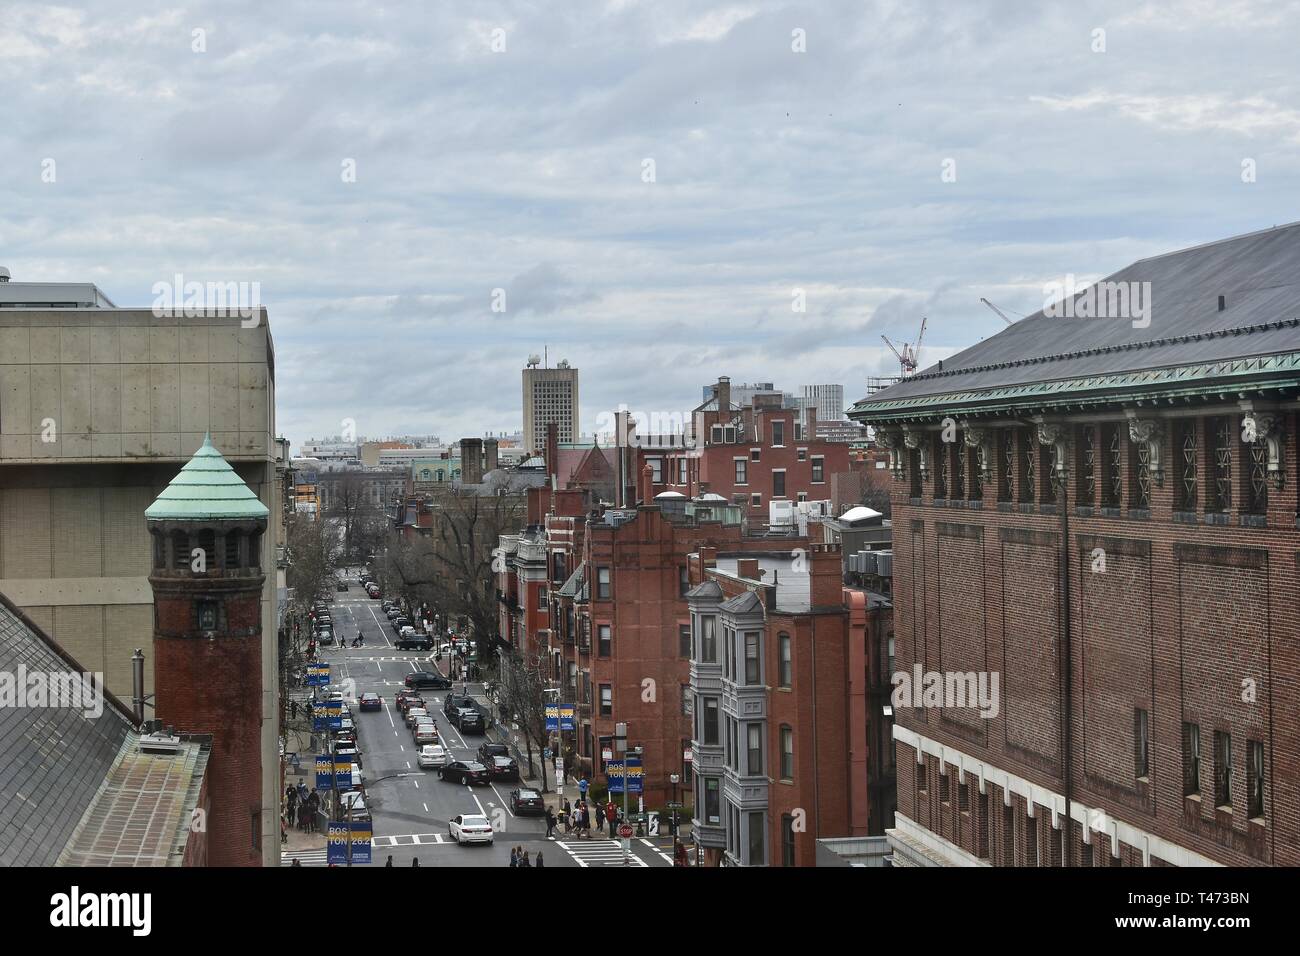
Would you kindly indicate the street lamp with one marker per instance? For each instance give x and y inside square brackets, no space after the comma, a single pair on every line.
[674,779]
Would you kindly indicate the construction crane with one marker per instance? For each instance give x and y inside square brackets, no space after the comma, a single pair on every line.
[907,356]
[1002,315]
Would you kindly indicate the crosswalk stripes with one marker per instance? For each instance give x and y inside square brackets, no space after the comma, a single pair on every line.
[411,839]
[305,857]
[588,853]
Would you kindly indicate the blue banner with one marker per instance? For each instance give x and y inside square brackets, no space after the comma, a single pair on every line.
[560,717]
[327,715]
[552,717]
[635,774]
[318,675]
[567,720]
[324,772]
[362,832]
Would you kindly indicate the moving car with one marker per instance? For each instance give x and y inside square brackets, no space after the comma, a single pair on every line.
[355,801]
[525,801]
[426,732]
[371,701]
[408,699]
[470,828]
[502,768]
[432,756]
[470,721]
[411,641]
[468,772]
[432,679]
[341,586]
[413,715]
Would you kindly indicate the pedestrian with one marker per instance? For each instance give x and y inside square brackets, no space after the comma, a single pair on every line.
[302,790]
[390,860]
[611,814]
[415,861]
[582,787]
[296,862]
[679,854]
[539,859]
[293,710]
[600,819]
[514,858]
[550,824]
[525,860]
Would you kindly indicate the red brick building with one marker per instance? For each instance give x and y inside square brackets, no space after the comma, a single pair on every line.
[1102,513]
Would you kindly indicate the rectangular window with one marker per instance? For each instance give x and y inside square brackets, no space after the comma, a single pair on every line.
[606,700]
[785,666]
[709,639]
[753,665]
[1031,841]
[602,584]
[683,579]
[1141,745]
[787,752]
[787,840]
[756,501]
[1255,778]
[712,811]
[684,640]
[681,471]
[1191,760]
[757,850]
[715,435]
[922,774]
[605,640]
[944,795]
[818,469]
[754,749]
[798,431]
[802,454]
[963,797]
[778,433]
[778,484]
[1222,769]
[742,471]
[656,470]
[712,730]
[754,454]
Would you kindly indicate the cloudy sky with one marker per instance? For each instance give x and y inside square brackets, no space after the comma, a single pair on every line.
[650,183]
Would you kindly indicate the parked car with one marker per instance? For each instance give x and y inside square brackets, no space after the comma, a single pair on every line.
[373,591]
[426,732]
[411,641]
[401,622]
[453,702]
[348,755]
[470,828]
[470,721]
[356,801]
[371,701]
[341,586]
[393,612]
[525,801]
[433,755]
[418,679]
[489,750]
[462,771]
[502,768]
[413,715]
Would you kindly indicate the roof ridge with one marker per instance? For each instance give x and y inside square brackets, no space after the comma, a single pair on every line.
[1217,242]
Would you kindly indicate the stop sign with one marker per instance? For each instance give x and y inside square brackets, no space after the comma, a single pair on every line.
[625,830]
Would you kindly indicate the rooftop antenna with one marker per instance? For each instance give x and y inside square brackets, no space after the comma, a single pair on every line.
[907,355]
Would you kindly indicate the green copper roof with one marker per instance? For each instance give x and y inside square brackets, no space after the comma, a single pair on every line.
[207,488]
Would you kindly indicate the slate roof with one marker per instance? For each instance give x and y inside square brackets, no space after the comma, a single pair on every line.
[574,586]
[705,589]
[1188,338]
[747,602]
[206,489]
[53,760]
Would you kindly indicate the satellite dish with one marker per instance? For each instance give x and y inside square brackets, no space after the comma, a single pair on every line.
[534,360]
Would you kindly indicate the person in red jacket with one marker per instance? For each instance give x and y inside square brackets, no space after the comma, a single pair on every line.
[611,814]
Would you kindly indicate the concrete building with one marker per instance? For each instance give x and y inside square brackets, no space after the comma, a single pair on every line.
[99,406]
[827,399]
[550,395]
[1101,512]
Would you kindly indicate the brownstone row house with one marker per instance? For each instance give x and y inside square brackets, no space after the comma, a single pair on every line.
[1101,512]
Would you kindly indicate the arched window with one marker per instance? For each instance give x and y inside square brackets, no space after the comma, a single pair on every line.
[232,548]
[180,551]
[255,550]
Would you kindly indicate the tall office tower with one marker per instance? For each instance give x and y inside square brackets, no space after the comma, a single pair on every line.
[827,399]
[550,395]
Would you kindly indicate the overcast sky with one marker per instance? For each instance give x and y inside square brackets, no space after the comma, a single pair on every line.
[223,155]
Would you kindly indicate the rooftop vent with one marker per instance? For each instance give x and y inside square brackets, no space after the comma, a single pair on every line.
[160,741]
[4,274]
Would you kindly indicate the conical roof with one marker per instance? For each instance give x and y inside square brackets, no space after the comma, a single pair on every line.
[207,489]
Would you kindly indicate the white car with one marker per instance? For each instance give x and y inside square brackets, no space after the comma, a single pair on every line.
[433,755]
[471,828]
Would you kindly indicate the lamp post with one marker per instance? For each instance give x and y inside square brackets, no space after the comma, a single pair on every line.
[674,779]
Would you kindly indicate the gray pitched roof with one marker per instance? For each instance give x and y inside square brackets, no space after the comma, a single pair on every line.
[53,760]
[573,586]
[705,589]
[1258,275]
[744,603]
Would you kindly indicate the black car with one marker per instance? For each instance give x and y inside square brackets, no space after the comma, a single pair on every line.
[452,702]
[462,771]
[416,642]
[469,721]
[524,801]
[427,679]
[487,751]
[341,586]
[502,768]
[401,622]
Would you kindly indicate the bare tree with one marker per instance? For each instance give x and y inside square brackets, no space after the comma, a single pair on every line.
[309,552]
[352,504]
[521,694]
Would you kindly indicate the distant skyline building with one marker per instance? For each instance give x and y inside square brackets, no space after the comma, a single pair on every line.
[828,400]
[550,395]
[743,395]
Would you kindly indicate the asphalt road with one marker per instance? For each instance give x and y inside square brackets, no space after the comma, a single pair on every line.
[411,807]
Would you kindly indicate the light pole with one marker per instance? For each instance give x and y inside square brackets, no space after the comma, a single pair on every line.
[674,779]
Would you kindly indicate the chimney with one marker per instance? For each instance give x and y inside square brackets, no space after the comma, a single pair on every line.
[826,576]
[552,452]
[471,461]
[810,423]
[747,568]
[709,557]
[647,484]
[1222,303]
[723,391]
[489,455]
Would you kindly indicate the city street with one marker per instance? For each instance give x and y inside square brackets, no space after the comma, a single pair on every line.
[411,807]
